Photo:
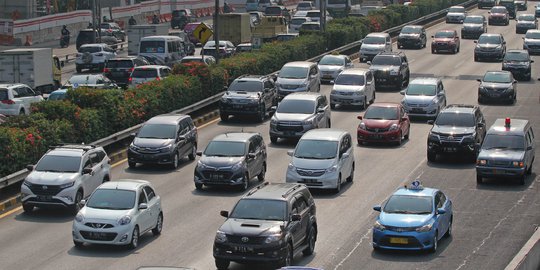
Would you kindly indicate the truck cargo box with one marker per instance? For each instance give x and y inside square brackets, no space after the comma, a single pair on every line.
[30,66]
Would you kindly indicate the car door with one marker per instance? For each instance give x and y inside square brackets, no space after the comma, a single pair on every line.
[182,143]
[388,47]
[154,205]
[342,161]
[441,96]
[144,218]
[370,85]
[252,162]
[269,93]
[319,113]
[295,227]
[98,168]
[404,120]
[348,162]
[529,148]
[405,67]
[444,221]
[20,96]
[86,179]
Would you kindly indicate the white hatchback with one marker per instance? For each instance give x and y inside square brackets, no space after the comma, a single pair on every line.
[16,99]
[144,74]
[118,213]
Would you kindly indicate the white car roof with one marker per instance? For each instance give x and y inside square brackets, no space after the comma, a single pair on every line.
[125,184]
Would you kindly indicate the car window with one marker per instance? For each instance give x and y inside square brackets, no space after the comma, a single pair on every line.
[350,79]
[88,163]
[300,204]
[4,94]
[149,192]
[95,159]
[316,149]
[164,72]
[22,91]
[142,197]
[296,106]
[252,147]
[54,163]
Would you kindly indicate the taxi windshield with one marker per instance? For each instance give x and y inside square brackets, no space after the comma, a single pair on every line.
[409,204]
[509,142]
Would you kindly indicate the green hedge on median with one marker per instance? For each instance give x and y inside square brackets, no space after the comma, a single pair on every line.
[89,114]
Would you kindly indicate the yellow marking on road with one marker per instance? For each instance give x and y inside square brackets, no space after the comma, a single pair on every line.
[118,163]
[10,212]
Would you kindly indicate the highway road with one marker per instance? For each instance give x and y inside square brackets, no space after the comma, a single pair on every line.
[491,221]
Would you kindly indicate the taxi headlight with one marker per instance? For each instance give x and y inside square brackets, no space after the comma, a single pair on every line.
[518,164]
[379,226]
[481,162]
[425,228]
[221,237]
[291,167]
[332,169]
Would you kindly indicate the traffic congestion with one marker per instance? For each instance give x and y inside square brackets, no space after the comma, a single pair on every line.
[415,152]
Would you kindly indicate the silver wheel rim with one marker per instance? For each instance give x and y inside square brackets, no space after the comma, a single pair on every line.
[246,183]
[176,160]
[160,223]
[435,242]
[194,151]
[135,238]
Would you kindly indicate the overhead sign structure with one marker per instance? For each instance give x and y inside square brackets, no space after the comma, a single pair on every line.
[202,32]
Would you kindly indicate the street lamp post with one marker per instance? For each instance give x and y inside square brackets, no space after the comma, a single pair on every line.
[216,29]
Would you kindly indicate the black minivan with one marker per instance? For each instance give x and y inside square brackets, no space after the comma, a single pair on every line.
[86,36]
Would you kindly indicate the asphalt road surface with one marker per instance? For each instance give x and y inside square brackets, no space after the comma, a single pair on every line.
[491,221]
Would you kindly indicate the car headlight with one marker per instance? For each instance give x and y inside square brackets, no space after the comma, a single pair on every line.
[201,165]
[273,238]
[273,122]
[362,126]
[124,220]
[165,148]
[308,121]
[518,164]
[133,147]
[394,72]
[67,185]
[433,137]
[291,167]
[510,89]
[379,226]
[225,100]
[481,162]
[27,183]
[332,169]
[237,166]
[393,127]
[425,228]
[221,237]
[79,218]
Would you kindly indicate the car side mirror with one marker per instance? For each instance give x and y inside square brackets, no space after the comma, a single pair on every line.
[83,202]
[143,206]
[368,62]
[62,64]
[360,117]
[290,152]
[181,138]
[430,122]
[224,213]
[251,155]
[504,42]
[273,108]
[432,36]
[30,167]
[532,61]
[514,81]
[320,110]
[478,80]
[481,125]
[441,211]
[402,92]
[345,155]
[529,148]
[296,217]
[134,134]
[332,82]
[87,171]
[199,153]
[377,208]
[476,41]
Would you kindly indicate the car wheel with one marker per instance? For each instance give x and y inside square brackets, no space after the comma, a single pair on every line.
[449,230]
[28,208]
[408,133]
[245,183]
[224,117]
[528,78]
[78,244]
[159,225]
[193,153]
[480,100]
[134,238]
[77,204]
[475,58]
[433,51]
[400,138]
[338,186]
[351,177]
[435,244]
[174,163]
[529,170]
[222,264]
[521,179]
[459,47]
[373,99]
[311,239]
[329,124]
[364,104]
[198,186]
[479,179]
[431,156]
[455,50]
[132,164]
[273,139]
[262,113]
[105,179]
[78,69]
[287,261]
[332,106]
[261,175]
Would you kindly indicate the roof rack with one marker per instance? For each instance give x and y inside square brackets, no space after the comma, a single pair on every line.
[84,147]
[461,106]
[286,194]
[257,188]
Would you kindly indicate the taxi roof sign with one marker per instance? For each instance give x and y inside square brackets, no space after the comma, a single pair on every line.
[416,185]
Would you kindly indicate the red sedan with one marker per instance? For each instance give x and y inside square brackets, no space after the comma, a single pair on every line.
[384,122]
[445,40]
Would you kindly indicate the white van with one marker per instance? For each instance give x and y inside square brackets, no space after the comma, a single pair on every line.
[162,50]
[373,44]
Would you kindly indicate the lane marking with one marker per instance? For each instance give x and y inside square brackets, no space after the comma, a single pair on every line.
[10,212]
[118,163]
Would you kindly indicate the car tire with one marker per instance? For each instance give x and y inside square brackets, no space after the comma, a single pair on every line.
[175,161]
[132,164]
[77,203]
[476,58]
[28,208]
[479,179]
[431,157]
[373,99]
[480,100]
[435,243]
[159,225]
[449,230]
[134,243]
[521,179]
[262,174]
[273,139]
[364,104]
[351,177]
[455,51]
[329,124]
[311,239]
[338,186]
[400,138]
[433,51]
[245,183]
[78,69]
[528,78]
[529,170]
[193,153]
[78,244]
[332,106]
[222,264]
[261,113]
[406,137]
[224,117]
[287,261]
[198,186]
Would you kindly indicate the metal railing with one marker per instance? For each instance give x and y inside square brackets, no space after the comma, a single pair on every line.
[121,135]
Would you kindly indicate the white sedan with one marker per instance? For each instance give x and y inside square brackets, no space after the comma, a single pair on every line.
[118,213]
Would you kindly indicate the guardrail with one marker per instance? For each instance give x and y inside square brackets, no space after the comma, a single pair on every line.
[121,135]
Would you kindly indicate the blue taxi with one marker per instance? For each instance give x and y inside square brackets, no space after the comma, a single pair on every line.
[413,218]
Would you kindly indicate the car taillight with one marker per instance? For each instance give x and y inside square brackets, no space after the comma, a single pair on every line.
[158,79]
[8,101]
[131,70]
[99,54]
[130,80]
[105,70]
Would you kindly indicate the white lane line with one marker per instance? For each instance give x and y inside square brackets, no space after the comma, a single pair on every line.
[483,242]
[365,236]
[460,63]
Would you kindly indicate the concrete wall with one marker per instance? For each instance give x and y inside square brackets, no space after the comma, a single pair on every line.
[528,258]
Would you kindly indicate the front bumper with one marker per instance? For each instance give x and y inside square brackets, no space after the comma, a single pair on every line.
[421,111]
[115,235]
[532,49]
[439,46]
[251,108]
[319,179]
[452,147]
[499,172]
[409,42]
[496,95]
[50,197]
[327,76]
[473,32]
[518,72]
[522,29]
[283,92]
[245,253]
[368,55]
[151,158]
[386,79]
[282,130]
[489,54]
[382,136]
[409,240]
[355,100]
[498,20]
[210,177]
[454,19]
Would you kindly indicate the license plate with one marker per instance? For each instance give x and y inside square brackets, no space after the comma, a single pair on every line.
[417,110]
[237,106]
[376,136]
[346,101]
[395,240]
[327,76]
[98,235]
[450,149]
[381,80]
[118,73]
[289,133]
[243,249]
[310,180]
[44,198]
[216,176]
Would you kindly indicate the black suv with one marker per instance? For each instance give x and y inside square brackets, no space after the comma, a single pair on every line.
[180,18]
[87,36]
[473,26]
[390,69]
[231,159]
[519,63]
[270,224]
[249,95]
[458,129]
[412,36]
[119,69]
[164,139]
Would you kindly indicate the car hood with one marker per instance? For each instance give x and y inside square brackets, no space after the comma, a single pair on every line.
[403,220]
[472,25]
[330,68]
[488,45]
[452,130]
[251,227]
[372,47]
[105,215]
[442,39]
[495,85]
[418,99]
[531,41]
[497,14]
[347,88]
[291,116]
[379,123]
[313,164]
[220,162]
[151,143]
[409,35]
[291,81]
[242,95]
[51,178]
[383,68]
[501,154]
[455,14]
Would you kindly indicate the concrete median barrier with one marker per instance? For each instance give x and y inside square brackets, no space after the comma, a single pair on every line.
[528,258]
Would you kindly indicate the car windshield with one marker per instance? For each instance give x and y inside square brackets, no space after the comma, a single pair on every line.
[313,14]
[516,56]
[374,40]
[489,39]
[304,5]
[526,17]
[409,204]
[293,72]
[296,106]
[144,73]
[246,86]
[474,19]
[260,209]
[411,30]
[112,199]
[456,10]
[157,131]
[119,64]
[382,113]
[272,11]
[532,35]
[350,79]
[52,96]
[316,149]
[225,149]
[498,77]
[511,142]
[330,60]
[54,163]
[498,10]
[89,49]
[386,60]
[444,34]
[152,46]
[455,119]
[310,26]
[82,79]
[421,89]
